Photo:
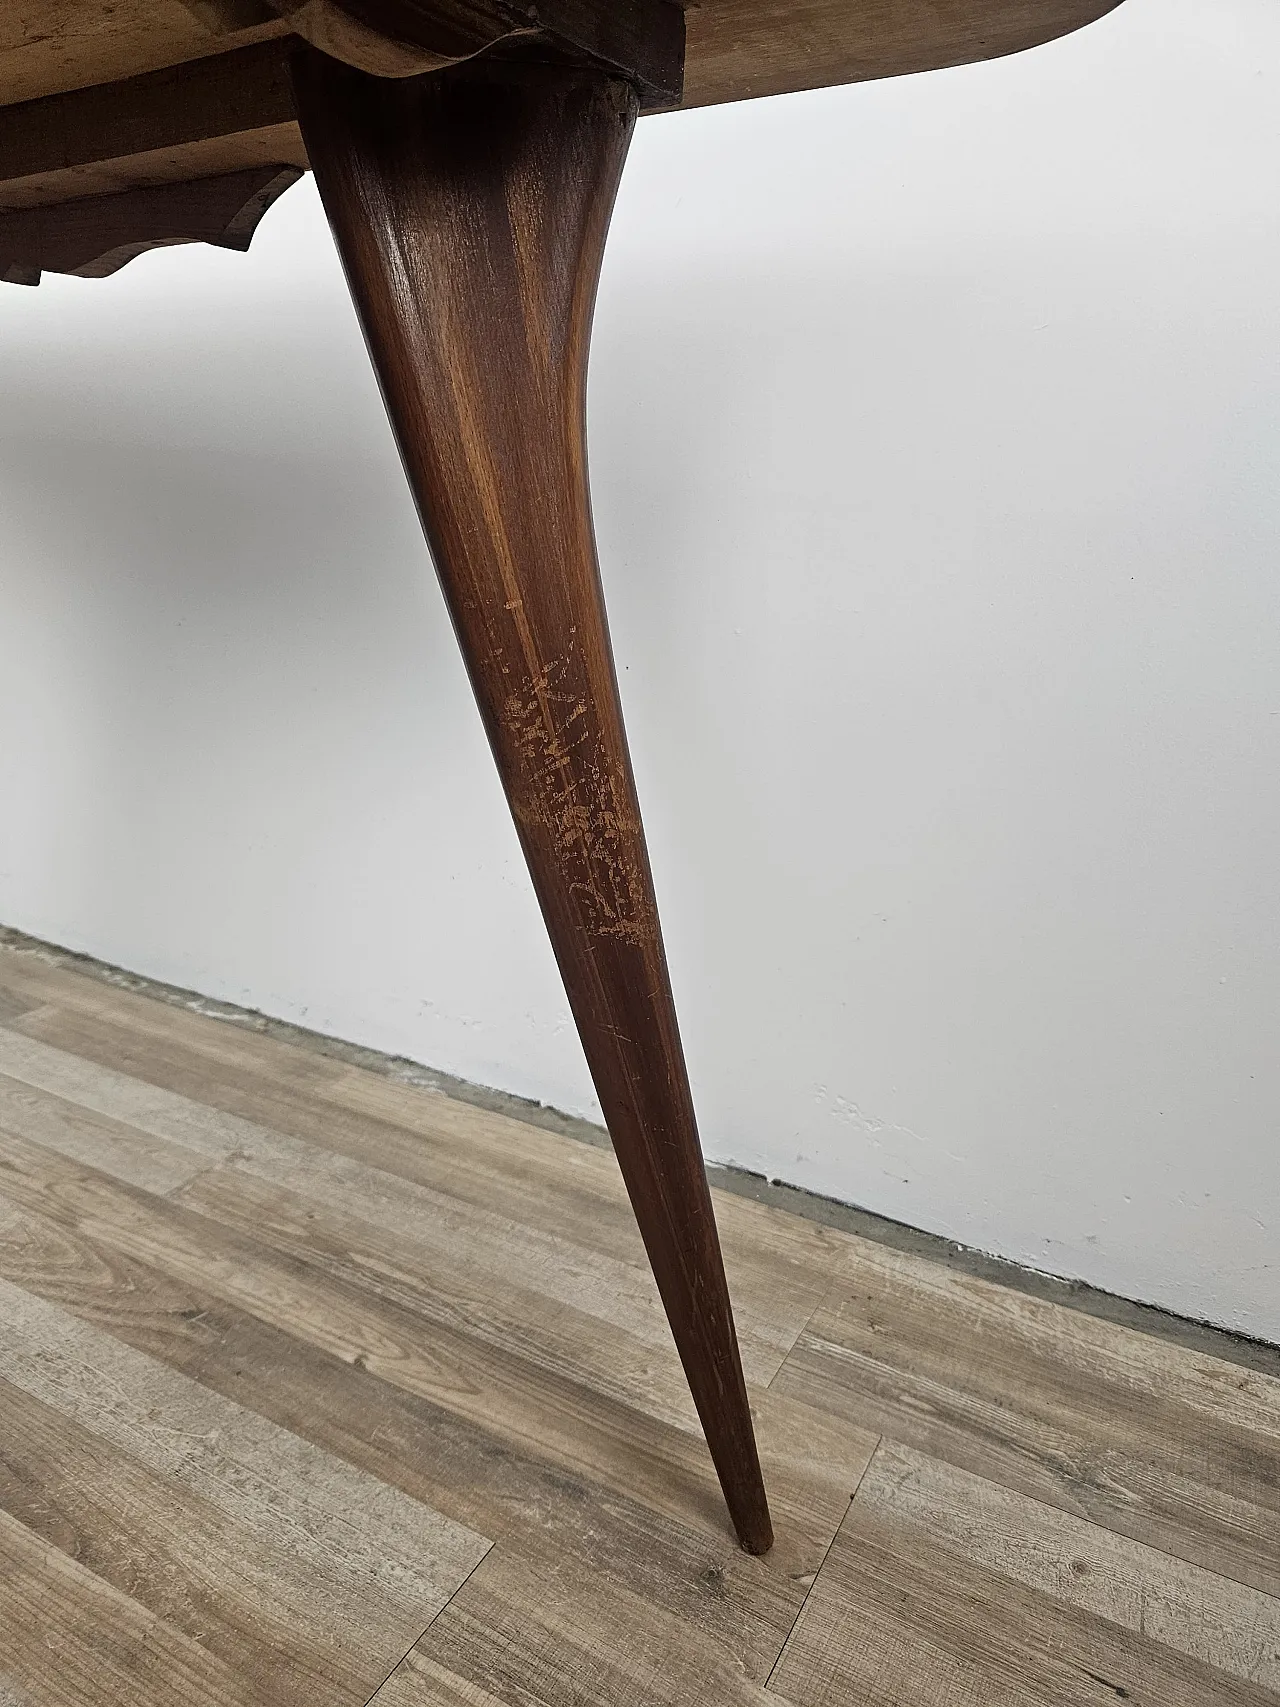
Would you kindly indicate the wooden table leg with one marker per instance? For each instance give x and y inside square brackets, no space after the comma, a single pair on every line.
[470,208]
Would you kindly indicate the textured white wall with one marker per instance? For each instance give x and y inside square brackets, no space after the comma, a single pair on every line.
[935,428]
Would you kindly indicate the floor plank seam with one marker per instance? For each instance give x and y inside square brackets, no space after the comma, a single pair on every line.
[826,1555]
[383,1682]
[832,1280]
[173,1193]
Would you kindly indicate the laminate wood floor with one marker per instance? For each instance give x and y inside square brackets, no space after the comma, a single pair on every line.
[321,1388]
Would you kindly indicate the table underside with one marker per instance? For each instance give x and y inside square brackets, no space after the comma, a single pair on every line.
[735,50]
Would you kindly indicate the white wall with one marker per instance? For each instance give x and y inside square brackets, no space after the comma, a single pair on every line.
[934,430]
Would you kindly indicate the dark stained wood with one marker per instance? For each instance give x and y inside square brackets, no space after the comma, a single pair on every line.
[101,97]
[230,111]
[47,46]
[234,109]
[736,48]
[395,38]
[470,209]
[232,17]
[100,234]
[210,157]
[224,94]
[643,39]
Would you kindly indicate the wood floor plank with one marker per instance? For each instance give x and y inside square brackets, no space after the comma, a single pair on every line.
[31,977]
[530,1628]
[555,1183]
[471,1290]
[420,1682]
[242,1594]
[369,1300]
[124,1151]
[898,1620]
[433,1359]
[450,1263]
[466,1235]
[713,1592]
[476,1473]
[781,1264]
[301,1093]
[419,1134]
[819,1461]
[1205,1616]
[68,1639]
[1167,1446]
[579,1185]
[12,1006]
[248,1074]
[523,1447]
[1142,1375]
[366,1542]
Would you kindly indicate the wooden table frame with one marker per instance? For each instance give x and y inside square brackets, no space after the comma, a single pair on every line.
[467,153]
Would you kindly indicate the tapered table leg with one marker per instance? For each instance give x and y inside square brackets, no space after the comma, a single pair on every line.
[470,208]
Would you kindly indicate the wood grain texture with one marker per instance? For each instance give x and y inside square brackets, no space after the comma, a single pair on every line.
[308,1575]
[455,1256]
[587,1641]
[98,235]
[527,1459]
[470,209]
[898,1619]
[12,1005]
[417,1680]
[214,156]
[238,1591]
[69,1639]
[1197,1612]
[536,1377]
[735,48]
[345,1527]
[98,99]
[740,49]
[1172,1448]
[498,1442]
[218,1335]
[641,39]
[50,45]
[225,112]
[780,1266]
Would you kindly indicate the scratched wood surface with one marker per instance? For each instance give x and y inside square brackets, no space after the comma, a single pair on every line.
[317,1387]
